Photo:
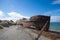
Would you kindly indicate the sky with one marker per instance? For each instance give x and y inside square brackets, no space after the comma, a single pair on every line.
[17,9]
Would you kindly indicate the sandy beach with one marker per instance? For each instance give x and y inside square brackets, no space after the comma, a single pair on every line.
[19,33]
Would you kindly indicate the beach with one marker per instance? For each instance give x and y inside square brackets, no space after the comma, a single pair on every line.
[18,33]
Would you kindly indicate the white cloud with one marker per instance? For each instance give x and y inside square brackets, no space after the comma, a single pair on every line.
[1,13]
[55,18]
[52,13]
[15,16]
[56,2]
[55,15]
[11,16]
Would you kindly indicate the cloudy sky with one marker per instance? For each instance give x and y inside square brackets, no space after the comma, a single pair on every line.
[17,9]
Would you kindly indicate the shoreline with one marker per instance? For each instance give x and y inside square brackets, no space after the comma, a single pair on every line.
[54,30]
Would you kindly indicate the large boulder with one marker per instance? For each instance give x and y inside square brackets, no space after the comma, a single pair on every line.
[1,27]
[21,21]
[6,23]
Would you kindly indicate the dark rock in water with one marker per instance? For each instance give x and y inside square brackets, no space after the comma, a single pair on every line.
[40,20]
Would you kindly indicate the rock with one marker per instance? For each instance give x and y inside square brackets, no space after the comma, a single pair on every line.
[1,27]
[6,23]
[20,21]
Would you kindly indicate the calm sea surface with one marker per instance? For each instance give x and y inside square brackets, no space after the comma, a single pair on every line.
[55,25]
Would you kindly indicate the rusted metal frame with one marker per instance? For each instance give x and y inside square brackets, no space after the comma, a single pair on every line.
[41,31]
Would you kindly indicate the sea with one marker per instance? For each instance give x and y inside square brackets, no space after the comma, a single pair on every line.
[55,26]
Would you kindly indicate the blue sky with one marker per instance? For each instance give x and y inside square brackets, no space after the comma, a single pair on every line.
[15,9]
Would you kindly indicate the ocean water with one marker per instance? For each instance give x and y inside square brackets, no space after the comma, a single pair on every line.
[55,25]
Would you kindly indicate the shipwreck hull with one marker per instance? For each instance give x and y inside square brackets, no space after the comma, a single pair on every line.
[38,22]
